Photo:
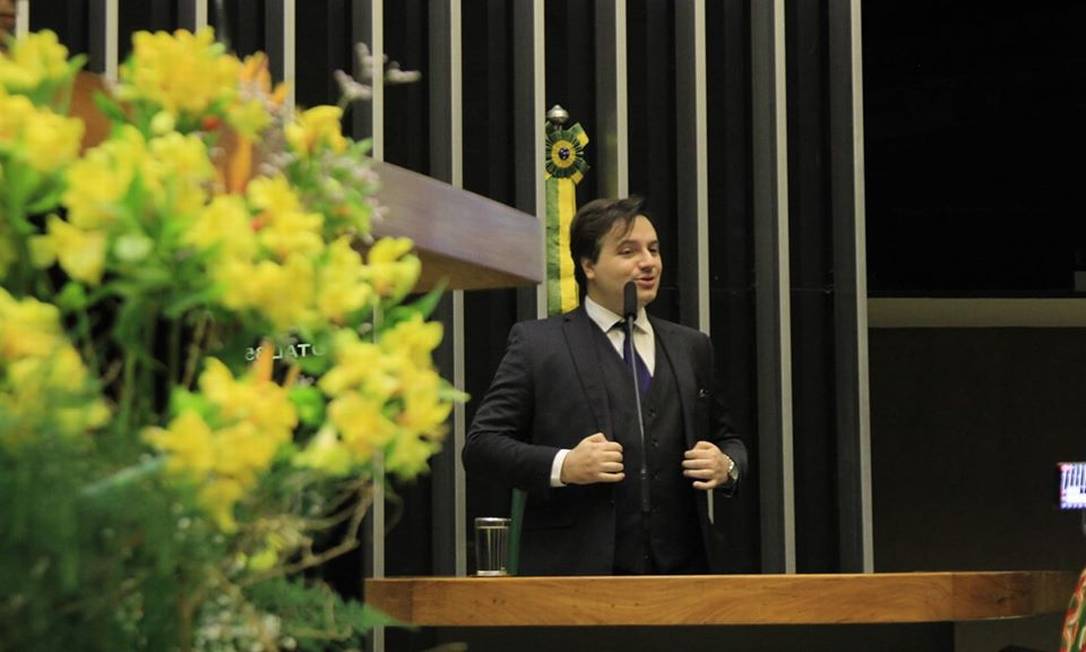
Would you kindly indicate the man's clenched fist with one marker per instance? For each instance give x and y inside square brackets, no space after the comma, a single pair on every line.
[594,459]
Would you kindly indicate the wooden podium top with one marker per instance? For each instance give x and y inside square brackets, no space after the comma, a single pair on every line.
[720,599]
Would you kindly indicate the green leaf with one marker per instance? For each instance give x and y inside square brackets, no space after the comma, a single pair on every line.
[110,108]
[187,302]
[72,297]
[44,204]
[424,306]
[309,401]
[182,400]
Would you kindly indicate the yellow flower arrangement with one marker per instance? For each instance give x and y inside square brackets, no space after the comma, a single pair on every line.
[137,275]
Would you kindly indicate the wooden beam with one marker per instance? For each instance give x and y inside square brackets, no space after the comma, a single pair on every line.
[473,241]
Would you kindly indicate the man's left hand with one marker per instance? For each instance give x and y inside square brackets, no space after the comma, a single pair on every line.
[706,465]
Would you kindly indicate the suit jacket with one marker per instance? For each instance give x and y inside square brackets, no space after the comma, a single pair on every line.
[548,394]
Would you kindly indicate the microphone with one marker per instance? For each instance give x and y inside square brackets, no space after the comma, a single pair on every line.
[629,300]
[629,314]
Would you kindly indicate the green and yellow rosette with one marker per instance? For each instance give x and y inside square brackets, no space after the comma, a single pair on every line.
[565,165]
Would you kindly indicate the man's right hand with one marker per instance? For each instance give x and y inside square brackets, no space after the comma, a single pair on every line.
[595,459]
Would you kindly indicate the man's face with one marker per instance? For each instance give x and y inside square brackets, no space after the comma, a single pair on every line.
[632,255]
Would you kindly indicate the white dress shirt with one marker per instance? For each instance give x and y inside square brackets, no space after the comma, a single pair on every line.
[644,342]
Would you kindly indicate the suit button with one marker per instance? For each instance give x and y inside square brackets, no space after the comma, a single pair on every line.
[652,414]
[654,442]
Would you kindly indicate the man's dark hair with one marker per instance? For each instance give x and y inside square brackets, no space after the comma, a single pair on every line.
[591,225]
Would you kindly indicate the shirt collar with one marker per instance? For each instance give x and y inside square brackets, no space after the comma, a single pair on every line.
[606,319]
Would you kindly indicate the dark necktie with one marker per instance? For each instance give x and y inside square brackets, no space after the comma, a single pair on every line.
[644,378]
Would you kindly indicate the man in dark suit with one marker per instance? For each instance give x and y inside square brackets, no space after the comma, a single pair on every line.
[560,420]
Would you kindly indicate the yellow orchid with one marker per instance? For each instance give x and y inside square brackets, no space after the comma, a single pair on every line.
[28,327]
[99,181]
[242,451]
[47,141]
[42,377]
[415,339]
[283,293]
[82,254]
[184,73]
[273,194]
[176,172]
[359,365]
[362,425]
[249,118]
[282,225]
[260,402]
[61,368]
[256,79]
[33,60]
[187,441]
[52,141]
[219,496]
[224,223]
[408,457]
[27,128]
[316,129]
[424,413]
[389,250]
[290,232]
[254,417]
[325,452]
[393,271]
[341,288]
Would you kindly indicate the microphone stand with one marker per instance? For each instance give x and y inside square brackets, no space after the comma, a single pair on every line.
[630,296]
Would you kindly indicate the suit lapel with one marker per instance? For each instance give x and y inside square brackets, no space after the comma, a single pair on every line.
[670,342]
[577,328]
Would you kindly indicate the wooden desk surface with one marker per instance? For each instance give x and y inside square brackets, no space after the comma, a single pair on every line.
[721,599]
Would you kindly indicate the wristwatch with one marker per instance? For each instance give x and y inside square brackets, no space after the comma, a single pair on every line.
[733,472]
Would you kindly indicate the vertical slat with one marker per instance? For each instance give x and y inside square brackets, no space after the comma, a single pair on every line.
[446,159]
[367,19]
[104,38]
[692,167]
[529,80]
[361,32]
[611,91]
[692,162]
[22,17]
[456,107]
[772,309]
[850,279]
[280,42]
[289,48]
[448,523]
[192,14]
[377,78]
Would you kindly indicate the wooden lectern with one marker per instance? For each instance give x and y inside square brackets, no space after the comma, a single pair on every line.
[721,599]
[886,612]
